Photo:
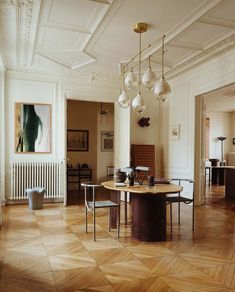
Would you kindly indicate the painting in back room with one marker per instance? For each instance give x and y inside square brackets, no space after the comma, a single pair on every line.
[32,128]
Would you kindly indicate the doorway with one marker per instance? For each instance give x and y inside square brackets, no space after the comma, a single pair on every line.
[90,138]
[216,112]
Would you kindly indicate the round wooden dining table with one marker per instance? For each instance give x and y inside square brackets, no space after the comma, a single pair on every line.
[148,208]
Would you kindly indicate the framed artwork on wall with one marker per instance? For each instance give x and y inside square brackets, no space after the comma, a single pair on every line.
[175,132]
[32,128]
[107,141]
[77,140]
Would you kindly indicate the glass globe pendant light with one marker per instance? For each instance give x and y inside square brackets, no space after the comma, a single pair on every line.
[130,80]
[138,102]
[149,77]
[123,99]
[162,88]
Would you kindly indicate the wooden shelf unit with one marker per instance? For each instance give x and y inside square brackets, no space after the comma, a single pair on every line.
[77,175]
[143,155]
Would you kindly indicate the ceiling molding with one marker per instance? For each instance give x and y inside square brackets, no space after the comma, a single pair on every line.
[217,22]
[182,45]
[17,3]
[216,50]
[110,13]
[101,1]
[183,25]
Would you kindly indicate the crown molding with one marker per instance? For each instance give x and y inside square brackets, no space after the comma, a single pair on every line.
[17,3]
[68,74]
[216,50]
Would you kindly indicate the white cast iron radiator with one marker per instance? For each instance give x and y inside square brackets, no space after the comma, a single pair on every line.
[35,174]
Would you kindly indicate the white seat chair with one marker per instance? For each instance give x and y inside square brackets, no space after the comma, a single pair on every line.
[186,196]
[92,205]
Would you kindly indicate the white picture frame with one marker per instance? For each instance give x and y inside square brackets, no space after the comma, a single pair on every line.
[174,132]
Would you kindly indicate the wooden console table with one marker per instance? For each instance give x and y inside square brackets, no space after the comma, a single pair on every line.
[148,209]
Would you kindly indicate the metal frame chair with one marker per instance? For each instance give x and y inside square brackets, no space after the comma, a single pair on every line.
[92,205]
[143,170]
[180,198]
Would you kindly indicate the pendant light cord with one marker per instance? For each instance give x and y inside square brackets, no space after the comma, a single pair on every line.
[139,63]
[163,52]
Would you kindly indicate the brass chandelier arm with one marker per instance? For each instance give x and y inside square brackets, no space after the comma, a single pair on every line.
[142,51]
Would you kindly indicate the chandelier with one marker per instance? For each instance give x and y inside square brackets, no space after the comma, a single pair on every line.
[160,88]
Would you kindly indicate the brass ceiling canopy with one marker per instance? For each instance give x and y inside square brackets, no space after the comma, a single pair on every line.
[140,27]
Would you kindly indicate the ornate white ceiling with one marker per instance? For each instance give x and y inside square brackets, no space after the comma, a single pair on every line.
[96,36]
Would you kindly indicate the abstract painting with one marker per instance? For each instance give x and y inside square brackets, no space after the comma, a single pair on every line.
[32,128]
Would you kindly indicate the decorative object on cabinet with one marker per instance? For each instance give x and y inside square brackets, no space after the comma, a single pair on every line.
[144,122]
[77,140]
[32,128]
[174,132]
[107,138]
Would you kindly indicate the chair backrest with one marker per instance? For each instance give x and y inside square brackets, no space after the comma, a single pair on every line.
[91,186]
[141,173]
[188,186]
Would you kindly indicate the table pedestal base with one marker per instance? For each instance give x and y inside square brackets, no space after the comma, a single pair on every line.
[148,217]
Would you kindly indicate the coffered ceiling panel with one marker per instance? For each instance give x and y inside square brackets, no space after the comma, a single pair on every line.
[224,10]
[73,14]
[97,35]
[71,58]
[208,33]
[55,39]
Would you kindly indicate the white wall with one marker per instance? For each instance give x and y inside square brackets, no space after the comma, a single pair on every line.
[150,134]
[220,125]
[49,89]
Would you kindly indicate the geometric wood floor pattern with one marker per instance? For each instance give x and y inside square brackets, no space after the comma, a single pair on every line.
[48,250]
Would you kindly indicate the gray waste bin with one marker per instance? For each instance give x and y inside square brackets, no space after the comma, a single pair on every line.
[35,196]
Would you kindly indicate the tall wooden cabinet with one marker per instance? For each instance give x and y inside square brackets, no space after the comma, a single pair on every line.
[143,155]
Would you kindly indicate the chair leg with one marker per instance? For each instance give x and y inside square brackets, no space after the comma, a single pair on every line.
[109,220]
[179,213]
[86,219]
[193,218]
[118,221]
[94,229]
[171,215]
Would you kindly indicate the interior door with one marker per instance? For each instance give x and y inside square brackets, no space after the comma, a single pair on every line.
[199,155]
[65,151]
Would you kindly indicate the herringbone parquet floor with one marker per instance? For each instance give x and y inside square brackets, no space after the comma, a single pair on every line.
[47,250]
